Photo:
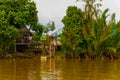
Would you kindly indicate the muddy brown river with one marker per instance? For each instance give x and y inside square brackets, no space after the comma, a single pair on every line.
[35,69]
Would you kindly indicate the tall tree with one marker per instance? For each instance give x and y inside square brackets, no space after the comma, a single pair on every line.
[7,33]
[88,32]
[50,27]
[72,27]
[19,12]
[15,14]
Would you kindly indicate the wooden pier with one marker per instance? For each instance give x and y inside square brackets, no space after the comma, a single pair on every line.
[23,47]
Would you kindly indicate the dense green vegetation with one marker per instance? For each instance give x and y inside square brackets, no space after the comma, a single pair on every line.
[89,33]
[14,15]
[19,13]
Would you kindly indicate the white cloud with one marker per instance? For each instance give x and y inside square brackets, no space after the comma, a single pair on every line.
[54,10]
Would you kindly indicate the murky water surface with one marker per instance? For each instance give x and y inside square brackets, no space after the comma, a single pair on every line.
[32,69]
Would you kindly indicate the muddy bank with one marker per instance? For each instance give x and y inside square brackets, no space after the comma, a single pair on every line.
[26,55]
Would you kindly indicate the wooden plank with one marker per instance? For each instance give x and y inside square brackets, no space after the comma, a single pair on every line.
[23,43]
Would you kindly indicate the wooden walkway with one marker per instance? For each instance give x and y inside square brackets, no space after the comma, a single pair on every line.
[22,47]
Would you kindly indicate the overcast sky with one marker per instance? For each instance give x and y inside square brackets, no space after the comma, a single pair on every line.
[55,10]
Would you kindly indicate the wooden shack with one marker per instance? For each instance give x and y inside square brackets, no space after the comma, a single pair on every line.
[23,42]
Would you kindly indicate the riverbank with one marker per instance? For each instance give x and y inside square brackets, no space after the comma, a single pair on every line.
[21,55]
[26,55]
[31,55]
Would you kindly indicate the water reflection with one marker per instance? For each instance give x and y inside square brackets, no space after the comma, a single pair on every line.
[49,70]
[24,69]
[31,69]
[92,70]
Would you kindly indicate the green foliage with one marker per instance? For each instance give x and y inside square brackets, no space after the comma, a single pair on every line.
[50,27]
[71,29]
[15,14]
[38,29]
[7,35]
[38,33]
[19,12]
[87,31]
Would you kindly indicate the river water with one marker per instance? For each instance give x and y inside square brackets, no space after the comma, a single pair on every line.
[35,69]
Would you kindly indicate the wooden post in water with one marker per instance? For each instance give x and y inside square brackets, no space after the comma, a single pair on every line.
[50,50]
